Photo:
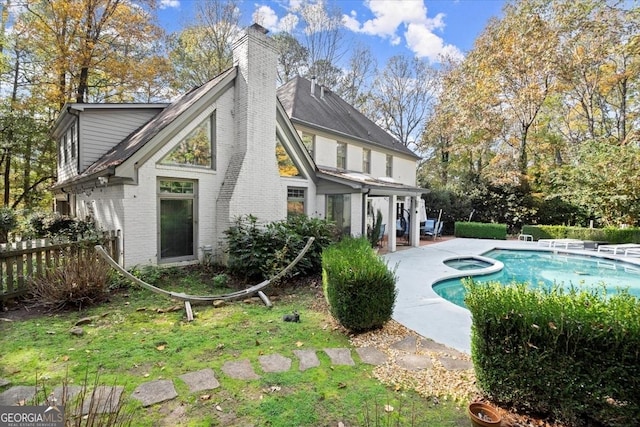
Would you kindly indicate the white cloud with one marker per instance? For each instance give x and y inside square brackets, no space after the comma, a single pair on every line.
[425,44]
[267,17]
[392,17]
[167,4]
[351,22]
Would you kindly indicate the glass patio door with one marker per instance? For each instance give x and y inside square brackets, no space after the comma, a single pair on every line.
[177,218]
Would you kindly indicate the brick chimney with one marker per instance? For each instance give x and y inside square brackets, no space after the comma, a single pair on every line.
[252,183]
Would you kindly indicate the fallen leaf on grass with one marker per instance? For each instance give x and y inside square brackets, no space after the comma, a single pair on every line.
[388,408]
[160,347]
[299,344]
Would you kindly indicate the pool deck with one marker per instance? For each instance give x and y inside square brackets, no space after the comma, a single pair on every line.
[420,309]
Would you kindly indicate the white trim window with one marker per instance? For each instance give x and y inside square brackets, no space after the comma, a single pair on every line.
[341,155]
[389,166]
[296,197]
[366,160]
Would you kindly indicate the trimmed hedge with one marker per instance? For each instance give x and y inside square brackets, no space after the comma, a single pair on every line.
[608,234]
[358,285]
[570,354]
[480,230]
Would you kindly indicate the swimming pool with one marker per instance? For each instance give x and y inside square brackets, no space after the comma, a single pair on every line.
[549,268]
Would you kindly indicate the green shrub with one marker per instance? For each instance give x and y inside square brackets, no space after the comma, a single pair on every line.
[220,280]
[373,233]
[358,285]
[8,221]
[56,226]
[570,354]
[260,251]
[479,230]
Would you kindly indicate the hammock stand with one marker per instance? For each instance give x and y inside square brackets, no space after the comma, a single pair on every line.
[255,289]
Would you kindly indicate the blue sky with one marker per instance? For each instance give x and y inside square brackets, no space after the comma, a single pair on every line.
[422,28]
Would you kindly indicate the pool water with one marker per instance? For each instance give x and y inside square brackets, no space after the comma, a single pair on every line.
[547,269]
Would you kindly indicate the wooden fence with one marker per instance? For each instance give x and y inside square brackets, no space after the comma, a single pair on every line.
[21,261]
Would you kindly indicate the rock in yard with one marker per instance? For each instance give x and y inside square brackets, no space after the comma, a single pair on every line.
[77,331]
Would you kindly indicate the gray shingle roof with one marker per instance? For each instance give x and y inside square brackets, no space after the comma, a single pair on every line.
[332,114]
[137,139]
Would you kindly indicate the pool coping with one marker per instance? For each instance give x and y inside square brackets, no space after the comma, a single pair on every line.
[420,309]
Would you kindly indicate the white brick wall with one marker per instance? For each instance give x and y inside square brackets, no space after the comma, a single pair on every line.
[257,187]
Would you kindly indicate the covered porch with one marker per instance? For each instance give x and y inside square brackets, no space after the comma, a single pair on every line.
[400,198]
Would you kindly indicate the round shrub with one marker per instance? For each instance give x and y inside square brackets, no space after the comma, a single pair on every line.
[358,285]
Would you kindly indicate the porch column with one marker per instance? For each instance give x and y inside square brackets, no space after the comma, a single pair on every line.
[414,227]
[391,241]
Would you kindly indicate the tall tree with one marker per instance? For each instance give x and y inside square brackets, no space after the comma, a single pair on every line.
[517,57]
[402,95]
[292,56]
[323,33]
[354,85]
[598,67]
[27,154]
[81,44]
[203,50]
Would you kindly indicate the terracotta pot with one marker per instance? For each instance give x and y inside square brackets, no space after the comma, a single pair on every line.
[483,415]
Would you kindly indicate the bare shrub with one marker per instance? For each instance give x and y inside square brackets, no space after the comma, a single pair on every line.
[82,279]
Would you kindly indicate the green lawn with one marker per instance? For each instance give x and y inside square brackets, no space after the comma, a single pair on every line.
[129,342]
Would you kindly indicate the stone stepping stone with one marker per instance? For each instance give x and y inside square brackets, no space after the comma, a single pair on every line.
[103,400]
[454,364]
[240,370]
[371,356]
[17,395]
[340,356]
[308,359]
[275,363]
[64,395]
[430,344]
[414,362]
[155,392]
[4,382]
[408,344]
[204,379]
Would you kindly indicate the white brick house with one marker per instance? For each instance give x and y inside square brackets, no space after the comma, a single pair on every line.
[173,177]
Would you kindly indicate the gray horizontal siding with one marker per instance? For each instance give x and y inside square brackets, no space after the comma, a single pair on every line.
[101,130]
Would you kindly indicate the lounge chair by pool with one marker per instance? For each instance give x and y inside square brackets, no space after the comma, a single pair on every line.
[566,243]
[620,248]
